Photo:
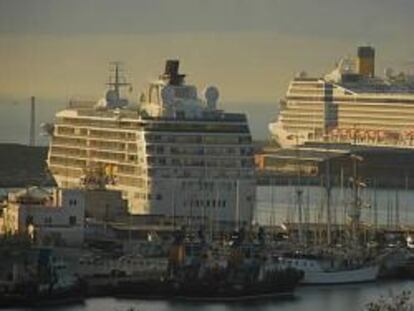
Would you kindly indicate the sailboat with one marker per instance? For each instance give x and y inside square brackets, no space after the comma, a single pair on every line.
[330,269]
[336,265]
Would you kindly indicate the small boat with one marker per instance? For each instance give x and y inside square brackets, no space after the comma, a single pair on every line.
[410,242]
[408,268]
[199,271]
[398,263]
[331,270]
[48,283]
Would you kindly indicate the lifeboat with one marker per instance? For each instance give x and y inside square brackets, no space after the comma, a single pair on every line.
[372,134]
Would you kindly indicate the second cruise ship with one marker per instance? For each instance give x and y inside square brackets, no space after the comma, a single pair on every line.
[349,105]
[174,153]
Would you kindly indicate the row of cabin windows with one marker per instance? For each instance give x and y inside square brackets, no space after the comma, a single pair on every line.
[194,203]
[48,220]
[198,139]
[225,163]
[149,196]
[214,128]
[206,203]
[199,150]
[297,263]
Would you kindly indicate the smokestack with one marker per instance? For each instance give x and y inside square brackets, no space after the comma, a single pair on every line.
[171,67]
[366,61]
[172,72]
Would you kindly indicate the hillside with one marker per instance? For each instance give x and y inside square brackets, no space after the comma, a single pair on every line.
[22,165]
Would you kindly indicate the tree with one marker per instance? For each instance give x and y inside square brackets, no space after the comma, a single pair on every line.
[401,302]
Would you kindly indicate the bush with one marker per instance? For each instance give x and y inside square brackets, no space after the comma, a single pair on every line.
[401,302]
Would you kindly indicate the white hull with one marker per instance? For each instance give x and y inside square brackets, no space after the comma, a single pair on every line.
[365,274]
[369,110]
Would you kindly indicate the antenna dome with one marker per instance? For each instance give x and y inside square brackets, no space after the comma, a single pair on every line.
[211,94]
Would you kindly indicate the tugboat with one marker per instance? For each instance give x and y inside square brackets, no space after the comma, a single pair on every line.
[46,282]
[200,271]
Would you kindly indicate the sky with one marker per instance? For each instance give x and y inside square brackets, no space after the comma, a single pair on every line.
[250,49]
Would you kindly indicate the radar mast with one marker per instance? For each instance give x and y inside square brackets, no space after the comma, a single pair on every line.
[117,80]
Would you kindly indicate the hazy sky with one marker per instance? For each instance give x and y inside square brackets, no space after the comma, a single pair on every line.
[250,49]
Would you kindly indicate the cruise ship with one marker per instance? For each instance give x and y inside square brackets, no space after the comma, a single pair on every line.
[349,105]
[173,153]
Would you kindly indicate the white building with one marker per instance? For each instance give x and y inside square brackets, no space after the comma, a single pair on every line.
[52,219]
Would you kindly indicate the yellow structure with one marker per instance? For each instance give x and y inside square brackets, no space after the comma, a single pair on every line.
[366,61]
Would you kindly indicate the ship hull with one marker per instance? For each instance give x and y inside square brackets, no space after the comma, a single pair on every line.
[362,275]
[204,292]
[283,285]
[284,138]
[66,297]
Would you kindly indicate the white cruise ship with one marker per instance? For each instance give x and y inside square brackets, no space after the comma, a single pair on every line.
[173,153]
[349,105]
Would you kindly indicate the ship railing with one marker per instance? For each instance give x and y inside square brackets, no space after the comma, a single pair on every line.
[405,144]
[105,136]
[76,103]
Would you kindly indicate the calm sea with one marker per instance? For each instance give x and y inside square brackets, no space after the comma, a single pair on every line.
[329,298]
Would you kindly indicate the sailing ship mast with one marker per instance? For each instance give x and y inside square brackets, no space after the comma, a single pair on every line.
[397,209]
[118,81]
[328,201]
[355,212]
[375,206]
[299,194]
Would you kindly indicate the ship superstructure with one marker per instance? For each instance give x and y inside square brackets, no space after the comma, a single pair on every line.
[172,154]
[350,104]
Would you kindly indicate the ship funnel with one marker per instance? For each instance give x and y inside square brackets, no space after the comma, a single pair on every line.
[172,72]
[172,66]
[366,61]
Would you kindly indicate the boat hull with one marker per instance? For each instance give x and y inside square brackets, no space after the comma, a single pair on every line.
[47,300]
[361,275]
[284,138]
[203,292]
[283,285]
